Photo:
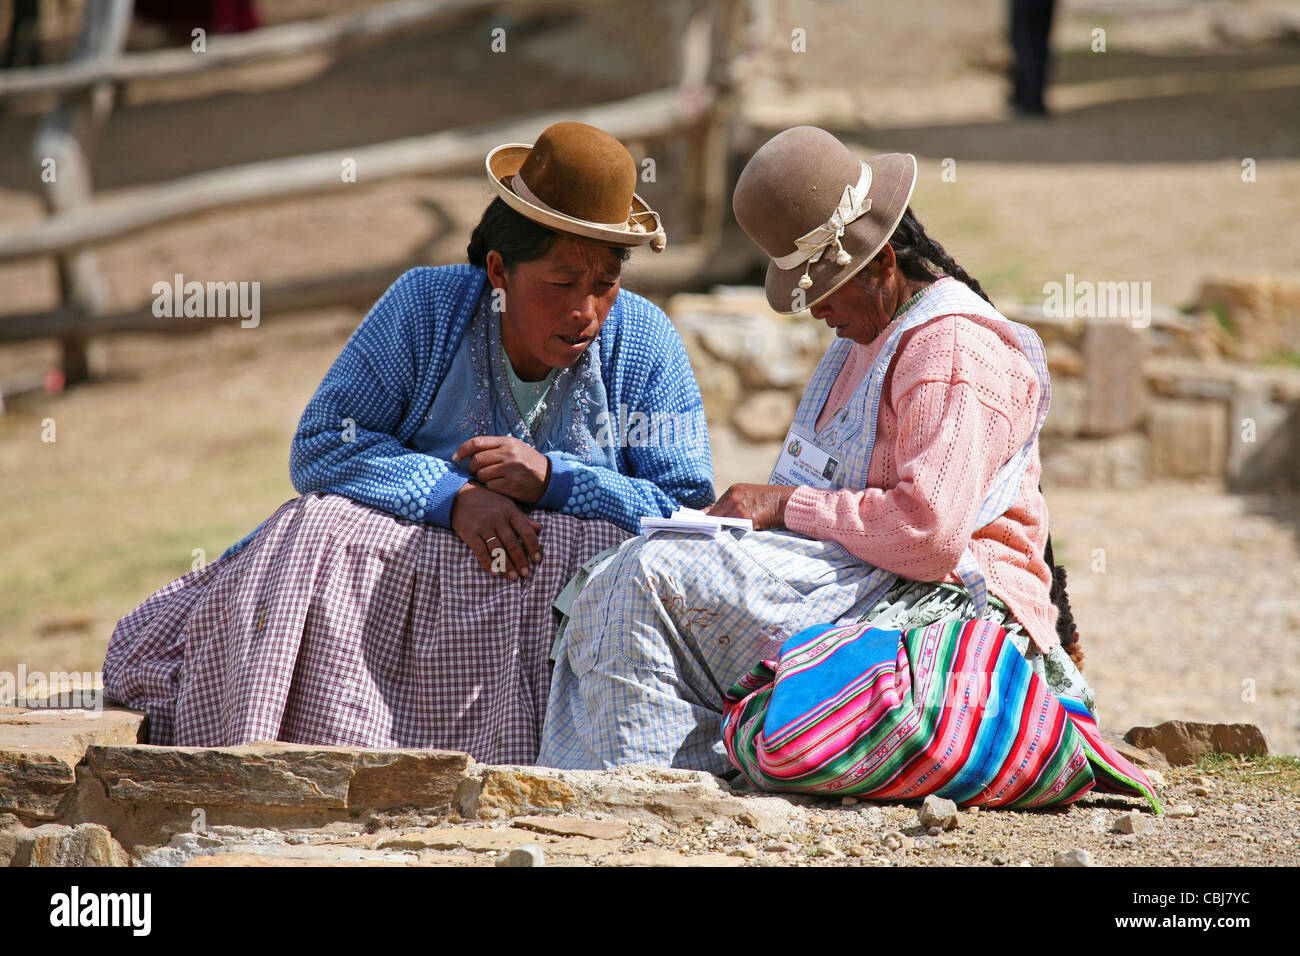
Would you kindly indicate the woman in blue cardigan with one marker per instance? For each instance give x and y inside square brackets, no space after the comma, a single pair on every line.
[486,430]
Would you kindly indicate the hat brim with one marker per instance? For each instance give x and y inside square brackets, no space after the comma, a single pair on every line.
[893,178]
[504,162]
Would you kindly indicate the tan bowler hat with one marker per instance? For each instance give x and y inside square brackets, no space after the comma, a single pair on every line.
[579,180]
[818,211]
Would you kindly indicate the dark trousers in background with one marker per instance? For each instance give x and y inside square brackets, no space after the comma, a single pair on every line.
[1031,28]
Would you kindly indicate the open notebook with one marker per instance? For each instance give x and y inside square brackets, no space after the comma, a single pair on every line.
[690,521]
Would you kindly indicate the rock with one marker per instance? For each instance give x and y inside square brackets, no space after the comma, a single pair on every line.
[737,327]
[87,844]
[764,416]
[859,850]
[719,388]
[39,749]
[1142,757]
[938,812]
[1263,441]
[826,848]
[1188,379]
[849,802]
[278,775]
[780,846]
[745,852]
[530,855]
[659,857]
[1075,857]
[1201,791]
[1185,742]
[897,840]
[515,790]
[1063,362]
[1157,778]
[561,826]
[1120,461]
[245,860]
[767,815]
[948,840]
[477,839]
[1180,810]
[1189,439]
[1127,840]
[1132,822]
[1001,860]
[1069,402]
[1260,313]
[11,833]
[1116,390]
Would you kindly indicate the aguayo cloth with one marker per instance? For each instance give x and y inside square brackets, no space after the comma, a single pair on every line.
[666,625]
[342,624]
[951,709]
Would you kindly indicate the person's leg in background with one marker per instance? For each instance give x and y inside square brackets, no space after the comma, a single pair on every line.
[1031,30]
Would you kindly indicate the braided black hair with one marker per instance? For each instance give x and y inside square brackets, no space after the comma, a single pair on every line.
[919,257]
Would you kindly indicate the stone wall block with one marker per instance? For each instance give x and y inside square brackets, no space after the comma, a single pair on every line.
[1112,354]
[1189,439]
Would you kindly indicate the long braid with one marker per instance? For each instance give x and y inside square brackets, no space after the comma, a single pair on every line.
[918,257]
[916,253]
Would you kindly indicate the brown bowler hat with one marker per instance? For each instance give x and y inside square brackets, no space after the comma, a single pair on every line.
[579,180]
[818,211]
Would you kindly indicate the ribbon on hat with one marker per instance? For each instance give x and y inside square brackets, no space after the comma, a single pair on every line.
[809,248]
[658,242]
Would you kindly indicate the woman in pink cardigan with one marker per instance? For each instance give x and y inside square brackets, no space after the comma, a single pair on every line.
[906,493]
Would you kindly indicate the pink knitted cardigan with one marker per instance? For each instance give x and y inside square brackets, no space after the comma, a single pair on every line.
[959,399]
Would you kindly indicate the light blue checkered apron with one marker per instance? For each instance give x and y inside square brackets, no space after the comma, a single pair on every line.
[664,626]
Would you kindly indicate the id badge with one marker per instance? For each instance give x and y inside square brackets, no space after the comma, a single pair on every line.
[803,462]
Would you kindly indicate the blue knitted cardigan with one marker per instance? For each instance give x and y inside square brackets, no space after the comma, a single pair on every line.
[385,379]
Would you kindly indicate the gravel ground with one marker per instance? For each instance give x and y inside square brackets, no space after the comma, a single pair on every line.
[1188,605]
[1221,813]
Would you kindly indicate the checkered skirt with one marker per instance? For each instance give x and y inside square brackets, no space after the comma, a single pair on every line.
[342,624]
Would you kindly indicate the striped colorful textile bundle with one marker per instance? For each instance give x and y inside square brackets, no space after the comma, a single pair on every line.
[952,709]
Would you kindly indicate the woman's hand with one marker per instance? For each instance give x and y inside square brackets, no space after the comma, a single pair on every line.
[495,529]
[507,466]
[762,504]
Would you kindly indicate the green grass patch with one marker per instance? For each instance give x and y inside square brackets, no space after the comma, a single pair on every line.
[1287,357]
[1221,317]
[1282,771]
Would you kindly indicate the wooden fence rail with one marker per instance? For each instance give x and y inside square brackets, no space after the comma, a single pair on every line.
[339,33]
[648,116]
[697,108]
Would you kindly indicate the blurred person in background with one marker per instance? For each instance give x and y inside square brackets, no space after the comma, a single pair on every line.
[1031,33]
